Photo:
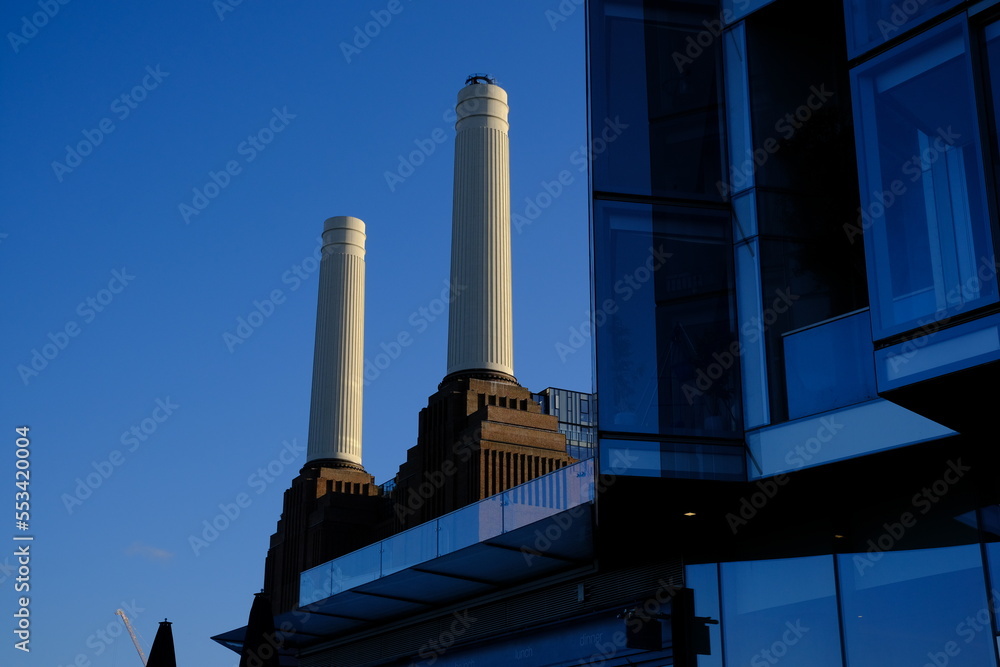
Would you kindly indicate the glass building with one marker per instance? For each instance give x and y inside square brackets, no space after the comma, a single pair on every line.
[577,418]
[796,315]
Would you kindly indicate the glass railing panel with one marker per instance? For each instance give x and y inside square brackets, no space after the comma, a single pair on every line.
[517,507]
[356,568]
[830,365]
[548,495]
[409,548]
[584,481]
[534,501]
[470,525]
[315,584]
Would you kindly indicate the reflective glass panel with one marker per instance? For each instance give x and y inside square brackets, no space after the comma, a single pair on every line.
[685,460]
[923,203]
[903,608]
[409,548]
[992,35]
[829,365]
[874,22]
[631,457]
[781,611]
[535,500]
[470,525]
[356,568]
[704,580]
[315,584]
[548,495]
[654,98]
[667,351]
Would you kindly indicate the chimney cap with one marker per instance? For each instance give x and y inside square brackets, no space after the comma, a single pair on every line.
[473,79]
[344,222]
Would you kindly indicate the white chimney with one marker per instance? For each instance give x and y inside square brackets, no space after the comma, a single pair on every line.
[338,361]
[480,325]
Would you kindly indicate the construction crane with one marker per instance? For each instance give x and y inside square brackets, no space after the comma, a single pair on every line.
[132,634]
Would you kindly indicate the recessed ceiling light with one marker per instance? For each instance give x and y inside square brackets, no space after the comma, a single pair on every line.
[689,513]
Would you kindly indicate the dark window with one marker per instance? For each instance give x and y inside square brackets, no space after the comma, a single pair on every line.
[655,101]
[666,342]
[923,202]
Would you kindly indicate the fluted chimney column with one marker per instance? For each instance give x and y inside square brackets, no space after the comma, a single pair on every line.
[480,324]
[338,362]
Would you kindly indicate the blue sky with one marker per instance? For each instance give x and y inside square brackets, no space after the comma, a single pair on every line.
[119,120]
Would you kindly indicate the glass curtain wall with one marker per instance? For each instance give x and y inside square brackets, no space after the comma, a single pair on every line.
[667,369]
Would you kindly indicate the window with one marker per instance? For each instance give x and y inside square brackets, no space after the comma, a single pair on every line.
[656,127]
[667,351]
[927,231]
[915,607]
[781,612]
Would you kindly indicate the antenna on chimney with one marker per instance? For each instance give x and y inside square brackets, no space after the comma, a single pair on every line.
[481,78]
